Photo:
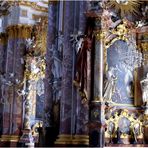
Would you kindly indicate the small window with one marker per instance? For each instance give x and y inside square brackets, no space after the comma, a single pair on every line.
[24,13]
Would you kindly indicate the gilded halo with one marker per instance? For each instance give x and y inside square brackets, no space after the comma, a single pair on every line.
[125,6]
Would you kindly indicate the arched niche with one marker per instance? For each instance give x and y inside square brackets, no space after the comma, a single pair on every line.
[124,89]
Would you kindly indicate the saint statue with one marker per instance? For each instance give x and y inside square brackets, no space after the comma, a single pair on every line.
[110,84]
[57,63]
[144,86]
[83,61]
[119,136]
[111,129]
[136,131]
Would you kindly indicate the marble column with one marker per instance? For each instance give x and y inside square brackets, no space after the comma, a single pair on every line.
[51,35]
[67,79]
[3,43]
[98,64]
[97,105]
[12,114]
[67,70]
[82,111]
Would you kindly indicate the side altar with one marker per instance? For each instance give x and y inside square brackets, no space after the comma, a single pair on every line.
[118,108]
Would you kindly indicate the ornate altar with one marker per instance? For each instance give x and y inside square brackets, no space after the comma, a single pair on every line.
[122,48]
[125,99]
[124,127]
[86,74]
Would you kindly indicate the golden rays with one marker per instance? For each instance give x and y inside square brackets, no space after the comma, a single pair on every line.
[125,6]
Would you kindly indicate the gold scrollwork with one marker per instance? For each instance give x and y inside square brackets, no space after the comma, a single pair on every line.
[120,33]
[41,30]
[115,120]
[99,35]
[32,75]
[144,46]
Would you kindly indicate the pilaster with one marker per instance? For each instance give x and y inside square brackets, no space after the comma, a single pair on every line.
[49,77]
[14,75]
[81,136]
[3,45]
[66,100]
[97,105]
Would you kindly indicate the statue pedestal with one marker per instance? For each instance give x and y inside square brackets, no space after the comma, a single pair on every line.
[126,145]
[146,110]
[27,138]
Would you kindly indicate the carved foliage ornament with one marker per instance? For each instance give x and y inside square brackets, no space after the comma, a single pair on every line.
[126,123]
[35,68]
[40,33]
[120,32]
[4,7]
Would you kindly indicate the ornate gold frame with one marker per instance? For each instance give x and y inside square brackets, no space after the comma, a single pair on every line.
[115,119]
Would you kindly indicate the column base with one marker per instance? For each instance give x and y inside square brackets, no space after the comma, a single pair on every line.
[27,137]
[64,140]
[82,140]
[9,140]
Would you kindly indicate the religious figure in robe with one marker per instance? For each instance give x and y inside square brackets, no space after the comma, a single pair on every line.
[57,63]
[144,86]
[136,131]
[119,141]
[82,61]
[109,88]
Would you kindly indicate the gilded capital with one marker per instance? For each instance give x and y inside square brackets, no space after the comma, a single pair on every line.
[19,31]
[52,2]
[98,99]
[3,38]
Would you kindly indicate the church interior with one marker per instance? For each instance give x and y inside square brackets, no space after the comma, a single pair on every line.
[74,73]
